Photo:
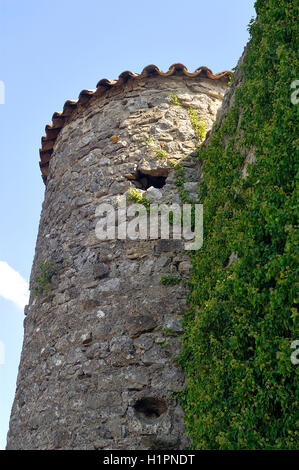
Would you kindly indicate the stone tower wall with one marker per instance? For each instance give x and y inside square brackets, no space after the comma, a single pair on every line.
[98,366]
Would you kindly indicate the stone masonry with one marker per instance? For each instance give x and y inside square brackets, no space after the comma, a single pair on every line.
[98,367]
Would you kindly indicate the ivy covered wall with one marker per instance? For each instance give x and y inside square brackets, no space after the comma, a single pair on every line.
[242,388]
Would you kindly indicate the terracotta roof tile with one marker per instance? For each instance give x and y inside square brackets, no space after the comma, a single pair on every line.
[60,118]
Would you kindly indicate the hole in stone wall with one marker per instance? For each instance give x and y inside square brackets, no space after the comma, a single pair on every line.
[145,181]
[150,408]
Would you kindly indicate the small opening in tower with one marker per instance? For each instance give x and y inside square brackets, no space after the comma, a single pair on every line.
[150,408]
[145,181]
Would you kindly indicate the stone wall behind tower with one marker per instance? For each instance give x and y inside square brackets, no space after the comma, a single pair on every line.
[97,369]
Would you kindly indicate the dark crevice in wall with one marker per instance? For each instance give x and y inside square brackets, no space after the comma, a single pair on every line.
[145,181]
[150,408]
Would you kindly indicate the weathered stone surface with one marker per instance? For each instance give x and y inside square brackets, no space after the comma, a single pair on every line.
[154,167]
[153,194]
[138,324]
[105,336]
[101,270]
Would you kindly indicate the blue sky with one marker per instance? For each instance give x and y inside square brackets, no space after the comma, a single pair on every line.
[50,51]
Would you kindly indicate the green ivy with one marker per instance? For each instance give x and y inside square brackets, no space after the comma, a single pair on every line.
[47,269]
[180,180]
[174,99]
[230,79]
[160,152]
[170,280]
[242,389]
[198,126]
[135,196]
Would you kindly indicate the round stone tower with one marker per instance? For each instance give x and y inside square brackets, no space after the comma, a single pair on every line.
[102,327]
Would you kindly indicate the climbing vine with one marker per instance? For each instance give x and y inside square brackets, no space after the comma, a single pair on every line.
[242,388]
[47,269]
[170,280]
[160,152]
[136,196]
[198,126]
